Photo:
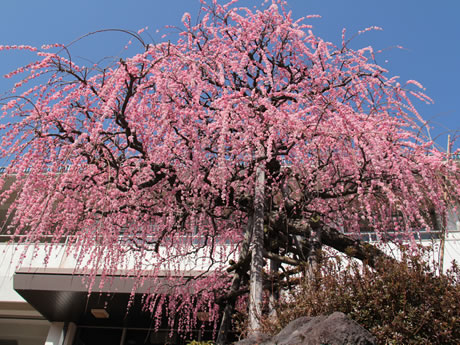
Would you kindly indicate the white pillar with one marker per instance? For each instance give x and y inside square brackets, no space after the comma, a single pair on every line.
[55,334]
[70,333]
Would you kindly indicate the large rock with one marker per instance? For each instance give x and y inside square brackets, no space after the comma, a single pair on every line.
[335,329]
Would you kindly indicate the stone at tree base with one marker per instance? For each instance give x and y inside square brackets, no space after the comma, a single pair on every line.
[335,329]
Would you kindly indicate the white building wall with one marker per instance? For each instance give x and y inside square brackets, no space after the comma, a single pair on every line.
[19,321]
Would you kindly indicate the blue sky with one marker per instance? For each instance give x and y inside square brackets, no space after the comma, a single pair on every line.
[428,30]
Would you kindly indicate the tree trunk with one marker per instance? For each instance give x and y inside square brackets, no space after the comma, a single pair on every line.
[236,282]
[257,261]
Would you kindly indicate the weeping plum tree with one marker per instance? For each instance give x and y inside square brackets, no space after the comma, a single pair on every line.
[248,139]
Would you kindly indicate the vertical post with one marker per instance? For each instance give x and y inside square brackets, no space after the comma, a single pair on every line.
[274,293]
[55,334]
[257,261]
[315,245]
[123,336]
[444,224]
[70,333]
[314,252]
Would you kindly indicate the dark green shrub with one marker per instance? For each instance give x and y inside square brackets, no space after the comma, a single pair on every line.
[400,303]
